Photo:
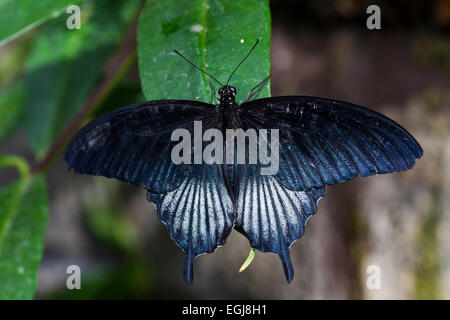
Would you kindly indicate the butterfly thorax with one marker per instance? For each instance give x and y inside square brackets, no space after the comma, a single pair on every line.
[227,107]
[227,95]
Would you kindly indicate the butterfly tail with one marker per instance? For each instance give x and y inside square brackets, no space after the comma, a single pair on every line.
[188,271]
[199,214]
[287,264]
[271,215]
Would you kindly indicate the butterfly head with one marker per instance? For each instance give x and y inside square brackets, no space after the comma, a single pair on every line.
[227,95]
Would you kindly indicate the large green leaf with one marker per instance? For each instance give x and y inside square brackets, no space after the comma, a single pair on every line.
[213,34]
[23,220]
[19,16]
[64,67]
[11,106]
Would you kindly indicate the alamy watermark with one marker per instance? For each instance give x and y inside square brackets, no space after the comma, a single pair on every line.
[374,277]
[234,145]
[74,279]
[373,22]
[74,20]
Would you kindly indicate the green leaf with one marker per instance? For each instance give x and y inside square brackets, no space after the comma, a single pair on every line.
[19,16]
[11,106]
[23,219]
[127,91]
[65,65]
[107,219]
[12,61]
[214,35]
[248,261]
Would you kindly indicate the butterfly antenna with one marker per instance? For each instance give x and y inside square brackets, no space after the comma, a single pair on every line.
[198,67]
[242,61]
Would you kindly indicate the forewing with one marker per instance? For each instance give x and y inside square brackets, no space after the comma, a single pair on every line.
[199,214]
[134,144]
[271,215]
[326,141]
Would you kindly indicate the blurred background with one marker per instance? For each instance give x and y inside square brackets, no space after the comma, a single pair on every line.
[399,222]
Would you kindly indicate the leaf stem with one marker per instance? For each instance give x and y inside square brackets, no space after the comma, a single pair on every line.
[15,161]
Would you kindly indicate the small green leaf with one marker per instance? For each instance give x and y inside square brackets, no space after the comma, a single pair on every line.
[23,219]
[65,65]
[214,35]
[249,260]
[19,16]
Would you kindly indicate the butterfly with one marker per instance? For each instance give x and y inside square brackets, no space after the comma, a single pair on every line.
[320,142]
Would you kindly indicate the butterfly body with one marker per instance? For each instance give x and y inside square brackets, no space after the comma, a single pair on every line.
[316,142]
[228,117]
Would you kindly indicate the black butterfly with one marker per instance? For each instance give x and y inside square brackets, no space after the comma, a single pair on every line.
[321,142]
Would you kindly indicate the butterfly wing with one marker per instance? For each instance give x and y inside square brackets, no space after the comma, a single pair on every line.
[271,215]
[326,141]
[133,143]
[199,214]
